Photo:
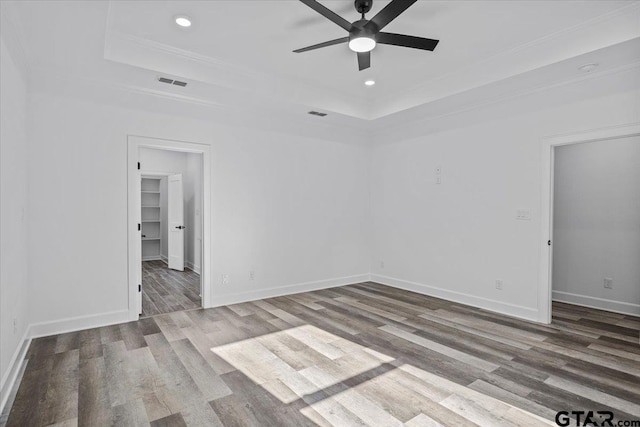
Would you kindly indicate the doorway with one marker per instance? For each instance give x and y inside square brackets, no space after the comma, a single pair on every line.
[169,217]
[602,297]
[171,234]
[596,226]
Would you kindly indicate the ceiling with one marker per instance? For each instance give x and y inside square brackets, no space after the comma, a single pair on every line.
[239,52]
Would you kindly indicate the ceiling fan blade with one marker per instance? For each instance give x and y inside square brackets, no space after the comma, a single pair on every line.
[406,41]
[364,60]
[388,14]
[325,44]
[329,14]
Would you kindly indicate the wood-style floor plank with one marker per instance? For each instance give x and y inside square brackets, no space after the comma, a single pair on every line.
[165,290]
[363,354]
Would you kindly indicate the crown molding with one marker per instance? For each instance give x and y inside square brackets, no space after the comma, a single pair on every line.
[400,127]
[623,11]
[587,135]
[112,37]
[253,116]
[370,130]
[129,49]
[165,95]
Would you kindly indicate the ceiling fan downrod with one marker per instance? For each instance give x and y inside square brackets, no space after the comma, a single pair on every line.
[363,6]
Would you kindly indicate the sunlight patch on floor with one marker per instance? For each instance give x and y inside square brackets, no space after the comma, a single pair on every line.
[344,383]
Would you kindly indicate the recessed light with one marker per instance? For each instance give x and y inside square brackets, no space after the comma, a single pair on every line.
[370,82]
[183,21]
[587,68]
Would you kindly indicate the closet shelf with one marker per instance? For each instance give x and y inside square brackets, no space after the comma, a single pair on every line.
[151,202]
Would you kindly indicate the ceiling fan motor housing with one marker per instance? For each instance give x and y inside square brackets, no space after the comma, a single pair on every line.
[358,30]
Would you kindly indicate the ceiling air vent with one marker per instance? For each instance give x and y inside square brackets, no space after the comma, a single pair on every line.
[172,82]
[317,113]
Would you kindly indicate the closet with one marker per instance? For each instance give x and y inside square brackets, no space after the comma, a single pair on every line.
[151,218]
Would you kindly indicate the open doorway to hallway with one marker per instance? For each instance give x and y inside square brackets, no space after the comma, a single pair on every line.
[171,230]
[596,233]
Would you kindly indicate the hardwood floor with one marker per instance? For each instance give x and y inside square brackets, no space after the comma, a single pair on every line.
[363,354]
[166,291]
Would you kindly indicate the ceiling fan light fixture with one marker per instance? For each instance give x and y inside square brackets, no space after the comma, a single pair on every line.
[362,44]
[183,21]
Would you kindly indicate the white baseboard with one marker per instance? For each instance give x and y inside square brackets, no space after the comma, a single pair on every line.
[43,329]
[13,370]
[599,303]
[239,297]
[500,307]
[188,264]
[78,323]
[191,266]
[151,258]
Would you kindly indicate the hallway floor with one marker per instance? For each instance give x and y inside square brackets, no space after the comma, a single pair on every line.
[166,291]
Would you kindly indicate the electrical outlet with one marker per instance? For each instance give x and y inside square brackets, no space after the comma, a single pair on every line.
[382,265]
[608,283]
[499,284]
[225,279]
[252,275]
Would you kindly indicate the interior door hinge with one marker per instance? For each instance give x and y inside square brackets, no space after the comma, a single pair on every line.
[139,227]
[548,242]
[138,165]
[139,288]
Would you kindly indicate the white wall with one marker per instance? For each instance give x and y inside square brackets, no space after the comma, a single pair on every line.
[190,166]
[597,224]
[13,213]
[456,239]
[292,208]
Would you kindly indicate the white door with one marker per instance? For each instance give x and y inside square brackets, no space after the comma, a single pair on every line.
[139,246]
[175,214]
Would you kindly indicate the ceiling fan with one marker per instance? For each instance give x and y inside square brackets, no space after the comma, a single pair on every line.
[365,34]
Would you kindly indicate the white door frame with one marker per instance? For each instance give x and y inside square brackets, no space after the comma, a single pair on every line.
[546,220]
[134,143]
